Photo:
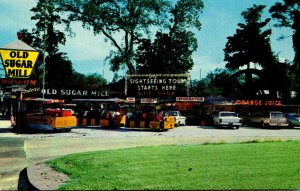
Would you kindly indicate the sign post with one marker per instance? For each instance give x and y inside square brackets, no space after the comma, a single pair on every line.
[18,59]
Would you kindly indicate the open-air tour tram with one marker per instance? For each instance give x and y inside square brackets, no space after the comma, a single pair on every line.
[116,113]
[42,114]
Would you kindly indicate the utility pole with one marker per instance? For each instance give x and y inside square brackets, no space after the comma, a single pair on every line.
[200,74]
[44,54]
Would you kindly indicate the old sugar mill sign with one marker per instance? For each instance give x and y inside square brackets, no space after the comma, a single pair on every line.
[18,59]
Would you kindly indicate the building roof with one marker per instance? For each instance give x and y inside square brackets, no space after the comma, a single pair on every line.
[18,45]
[219,101]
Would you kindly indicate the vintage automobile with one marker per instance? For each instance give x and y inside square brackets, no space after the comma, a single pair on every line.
[268,119]
[227,118]
[293,119]
[179,118]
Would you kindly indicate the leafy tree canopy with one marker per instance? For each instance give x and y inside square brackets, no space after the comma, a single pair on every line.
[45,37]
[167,54]
[287,14]
[216,83]
[250,43]
[132,20]
[47,17]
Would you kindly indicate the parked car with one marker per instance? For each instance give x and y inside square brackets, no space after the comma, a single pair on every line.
[179,118]
[269,118]
[227,118]
[293,119]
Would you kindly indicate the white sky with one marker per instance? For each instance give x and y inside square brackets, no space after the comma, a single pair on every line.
[87,52]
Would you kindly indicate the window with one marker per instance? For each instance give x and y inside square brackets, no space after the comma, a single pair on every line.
[229,114]
[276,115]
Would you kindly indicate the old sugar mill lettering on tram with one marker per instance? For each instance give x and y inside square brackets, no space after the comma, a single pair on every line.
[17,64]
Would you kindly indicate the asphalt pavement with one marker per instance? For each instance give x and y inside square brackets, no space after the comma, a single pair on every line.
[18,151]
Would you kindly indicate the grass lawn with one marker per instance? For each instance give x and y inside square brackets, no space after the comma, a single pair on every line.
[270,165]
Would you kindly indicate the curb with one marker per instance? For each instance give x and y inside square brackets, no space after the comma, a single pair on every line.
[42,177]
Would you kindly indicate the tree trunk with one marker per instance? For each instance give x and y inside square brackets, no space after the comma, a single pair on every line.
[248,81]
[296,45]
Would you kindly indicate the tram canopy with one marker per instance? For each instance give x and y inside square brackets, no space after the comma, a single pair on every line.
[44,100]
[108,100]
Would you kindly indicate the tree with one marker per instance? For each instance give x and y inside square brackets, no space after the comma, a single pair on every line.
[47,18]
[59,70]
[287,14]
[132,19]
[31,40]
[250,44]
[172,52]
[60,73]
[47,39]
[278,80]
[167,54]
[95,80]
[198,88]
[216,83]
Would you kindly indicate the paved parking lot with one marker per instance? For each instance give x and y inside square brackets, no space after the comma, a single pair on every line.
[18,151]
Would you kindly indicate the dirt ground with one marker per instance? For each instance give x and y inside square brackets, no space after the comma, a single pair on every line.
[44,177]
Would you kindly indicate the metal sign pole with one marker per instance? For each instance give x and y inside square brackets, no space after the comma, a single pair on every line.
[44,54]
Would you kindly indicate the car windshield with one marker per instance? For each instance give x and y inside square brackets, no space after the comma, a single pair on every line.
[171,113]
[297,116]
[277,115]
[229,114]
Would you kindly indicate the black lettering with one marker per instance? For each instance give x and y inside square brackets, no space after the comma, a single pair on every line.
[25,73]
[12,63]
[12,54]
[29,64]
[25,54]
[11,72]
[6,63]
[19,55]
[18,63]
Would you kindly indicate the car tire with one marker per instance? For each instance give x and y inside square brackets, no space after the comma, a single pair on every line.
[237,127]
[291,126]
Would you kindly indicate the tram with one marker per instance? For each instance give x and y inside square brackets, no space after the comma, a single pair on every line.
[116,113]
[42,114]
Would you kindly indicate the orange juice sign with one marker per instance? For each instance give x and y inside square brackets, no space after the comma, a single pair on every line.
[18,63]
[258,102]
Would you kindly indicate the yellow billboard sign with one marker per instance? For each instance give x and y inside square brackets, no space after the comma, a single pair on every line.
[18,63]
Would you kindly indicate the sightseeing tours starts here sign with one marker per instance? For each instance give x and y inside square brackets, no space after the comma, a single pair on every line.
[157,85]
[18,59]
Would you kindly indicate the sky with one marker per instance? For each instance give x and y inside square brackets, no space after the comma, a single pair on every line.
[87,52]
